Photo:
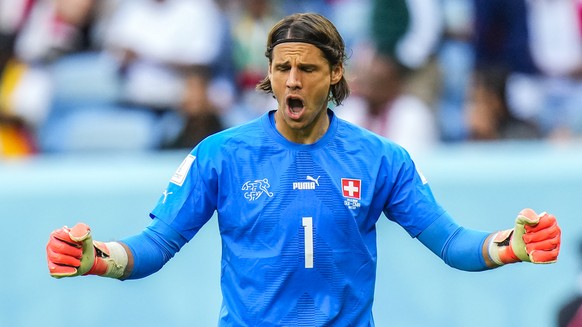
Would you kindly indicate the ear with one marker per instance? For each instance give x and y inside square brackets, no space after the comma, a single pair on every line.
[337,72]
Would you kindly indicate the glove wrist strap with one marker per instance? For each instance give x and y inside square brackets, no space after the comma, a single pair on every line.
[500,249]
[110,260]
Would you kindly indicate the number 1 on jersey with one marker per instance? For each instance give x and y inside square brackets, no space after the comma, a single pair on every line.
[308,241]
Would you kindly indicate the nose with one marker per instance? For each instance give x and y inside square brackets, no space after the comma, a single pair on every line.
[293,79]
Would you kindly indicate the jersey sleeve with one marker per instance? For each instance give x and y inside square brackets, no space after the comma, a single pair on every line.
[189,200]
[410,201]
[457,246]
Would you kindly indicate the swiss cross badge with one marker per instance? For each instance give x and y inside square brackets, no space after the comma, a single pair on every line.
[351,190]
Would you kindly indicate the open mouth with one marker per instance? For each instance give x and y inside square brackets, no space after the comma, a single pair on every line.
[295,105]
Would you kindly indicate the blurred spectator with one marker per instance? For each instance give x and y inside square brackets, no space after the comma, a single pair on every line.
[44,31]
[555,36]
[456,60]
[410,31]
[250,28]
[200,116]
[488,114]
[319,6]
[72,70]
[539,43]
[55,27]
[15,135]
[13,14]
[380,104]
[222,86]
[501,41]
[570,313]
[251,22]
[556,45]
[130,94]
[501,36]
[155,41]
[352,19]
[390,21]
[16,139]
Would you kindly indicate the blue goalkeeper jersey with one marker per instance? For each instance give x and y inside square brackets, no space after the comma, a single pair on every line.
[297,221]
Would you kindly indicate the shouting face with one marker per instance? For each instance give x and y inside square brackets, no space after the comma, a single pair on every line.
[301,78]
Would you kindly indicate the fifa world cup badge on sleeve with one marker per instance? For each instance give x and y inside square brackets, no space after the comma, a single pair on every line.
[421,175]
[180,175]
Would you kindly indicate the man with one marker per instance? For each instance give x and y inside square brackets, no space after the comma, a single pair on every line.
[298,193]
[380,103]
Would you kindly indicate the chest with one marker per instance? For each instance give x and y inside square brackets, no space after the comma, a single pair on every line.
[278,191]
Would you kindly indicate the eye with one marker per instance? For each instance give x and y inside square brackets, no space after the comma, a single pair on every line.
[282,68]
[308,69]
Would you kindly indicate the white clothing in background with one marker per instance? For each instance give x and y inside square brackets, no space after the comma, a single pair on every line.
[162,33]
[408,121]
[555,40]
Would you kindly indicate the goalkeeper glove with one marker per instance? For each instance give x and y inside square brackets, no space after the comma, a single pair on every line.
[535,238]
[72,252]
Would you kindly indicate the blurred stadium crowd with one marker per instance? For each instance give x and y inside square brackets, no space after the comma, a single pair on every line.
[92,75]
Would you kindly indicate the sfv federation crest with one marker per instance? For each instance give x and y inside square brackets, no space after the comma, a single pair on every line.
[254,189]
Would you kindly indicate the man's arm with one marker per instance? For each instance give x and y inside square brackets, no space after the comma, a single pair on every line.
[535,238]
[129,268]
[72,252]
[485,252]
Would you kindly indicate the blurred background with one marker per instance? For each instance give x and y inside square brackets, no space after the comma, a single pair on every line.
[100,100]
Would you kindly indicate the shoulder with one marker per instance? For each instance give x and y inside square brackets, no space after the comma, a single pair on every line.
[359,139]
[237,137]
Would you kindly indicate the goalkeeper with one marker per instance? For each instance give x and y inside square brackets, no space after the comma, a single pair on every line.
[298,193]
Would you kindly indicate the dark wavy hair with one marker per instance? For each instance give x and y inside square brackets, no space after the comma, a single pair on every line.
[314,29]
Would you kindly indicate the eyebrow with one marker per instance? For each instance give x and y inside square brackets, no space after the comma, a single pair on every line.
[281,64]
[310,66]
[301,65]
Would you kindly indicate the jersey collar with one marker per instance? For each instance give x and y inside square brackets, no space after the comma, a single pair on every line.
[268,120]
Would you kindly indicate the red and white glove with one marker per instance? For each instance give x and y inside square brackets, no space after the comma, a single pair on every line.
[72,252]
[535,238]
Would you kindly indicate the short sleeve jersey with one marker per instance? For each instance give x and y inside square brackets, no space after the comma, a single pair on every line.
[297,221]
